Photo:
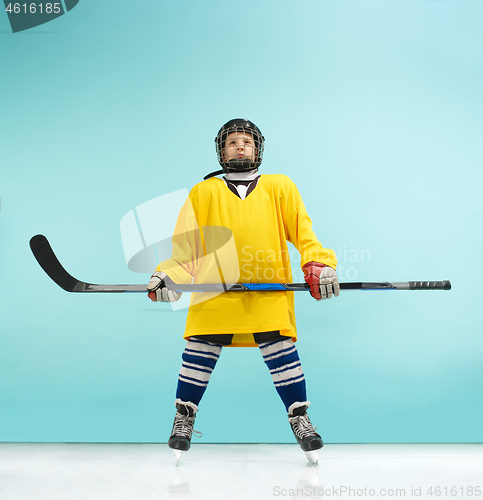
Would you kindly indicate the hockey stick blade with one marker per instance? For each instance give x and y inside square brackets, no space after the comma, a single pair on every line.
[50,264]
[48,261]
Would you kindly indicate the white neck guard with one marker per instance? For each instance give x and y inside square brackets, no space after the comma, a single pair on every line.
[249,175]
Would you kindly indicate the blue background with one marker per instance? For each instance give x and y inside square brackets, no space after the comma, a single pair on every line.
[373,108]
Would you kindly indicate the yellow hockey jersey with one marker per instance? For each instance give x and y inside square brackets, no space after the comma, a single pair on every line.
[221,238]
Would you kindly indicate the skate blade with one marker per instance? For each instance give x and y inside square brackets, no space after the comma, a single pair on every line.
[312,456]
[177,455]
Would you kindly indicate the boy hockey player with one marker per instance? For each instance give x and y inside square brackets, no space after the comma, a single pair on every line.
[262,212]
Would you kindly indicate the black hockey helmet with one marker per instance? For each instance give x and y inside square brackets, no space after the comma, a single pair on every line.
[238,126]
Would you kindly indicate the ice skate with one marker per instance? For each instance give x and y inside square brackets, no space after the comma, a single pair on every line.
[180,439]
[304,431]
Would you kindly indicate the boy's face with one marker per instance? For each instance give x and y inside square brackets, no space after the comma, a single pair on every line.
[239,146]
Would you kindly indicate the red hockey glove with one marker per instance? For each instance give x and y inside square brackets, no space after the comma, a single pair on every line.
[157,290]
[322,280]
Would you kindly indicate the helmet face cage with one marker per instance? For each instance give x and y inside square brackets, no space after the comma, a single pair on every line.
[247,142]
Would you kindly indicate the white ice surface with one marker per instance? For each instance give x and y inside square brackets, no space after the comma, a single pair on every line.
[230,471]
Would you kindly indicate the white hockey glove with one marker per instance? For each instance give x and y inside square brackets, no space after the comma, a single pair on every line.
[322,279]
[157,290]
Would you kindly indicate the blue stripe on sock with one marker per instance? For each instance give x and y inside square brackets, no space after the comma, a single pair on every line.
[290,357]
[197,368]
[280,351]
[289,381]
[198,381]
[189,357]
[287,367]
[266,344]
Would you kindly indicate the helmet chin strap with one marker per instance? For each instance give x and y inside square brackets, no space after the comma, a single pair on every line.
[218,172]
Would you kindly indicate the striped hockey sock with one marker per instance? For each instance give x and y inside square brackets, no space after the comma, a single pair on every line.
[199,359]
[283,362]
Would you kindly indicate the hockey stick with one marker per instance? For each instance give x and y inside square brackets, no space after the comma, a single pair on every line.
[50,264]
